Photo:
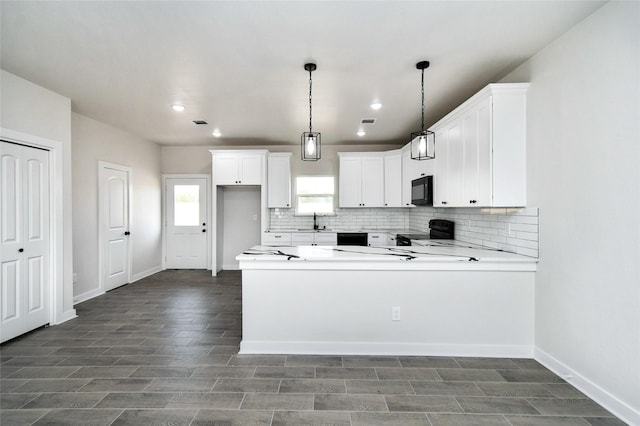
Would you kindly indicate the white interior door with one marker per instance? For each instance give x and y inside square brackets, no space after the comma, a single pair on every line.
[24,239]
[114,217]
[186,223]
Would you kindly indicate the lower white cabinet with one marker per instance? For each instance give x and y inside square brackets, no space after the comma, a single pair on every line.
[377,239]
[314,238]
[276,238]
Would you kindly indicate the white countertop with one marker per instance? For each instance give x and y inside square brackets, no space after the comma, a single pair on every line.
[429,255]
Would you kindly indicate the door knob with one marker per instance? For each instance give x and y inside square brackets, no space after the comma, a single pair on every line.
[20,250]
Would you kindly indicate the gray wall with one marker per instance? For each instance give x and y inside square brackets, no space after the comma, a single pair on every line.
[94,141]
[582,162]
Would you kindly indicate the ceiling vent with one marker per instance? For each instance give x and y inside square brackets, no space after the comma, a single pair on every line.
[199,122]
[368,121]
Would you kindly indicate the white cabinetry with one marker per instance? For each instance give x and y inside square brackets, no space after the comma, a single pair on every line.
[375,239]
[276,238]
[361,180]
[279,180]
[413,169]
[393,179]
[314,238]
[481,148]
[237,169]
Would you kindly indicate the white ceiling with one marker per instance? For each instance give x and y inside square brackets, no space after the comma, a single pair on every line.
[239,64]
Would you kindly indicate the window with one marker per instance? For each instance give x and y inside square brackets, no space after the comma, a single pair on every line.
[186,204]
[314,194]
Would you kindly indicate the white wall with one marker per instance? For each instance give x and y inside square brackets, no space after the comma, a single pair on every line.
[94,141]
[34,110]
[582,159]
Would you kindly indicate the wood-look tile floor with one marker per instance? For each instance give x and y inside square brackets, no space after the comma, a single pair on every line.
[164,351]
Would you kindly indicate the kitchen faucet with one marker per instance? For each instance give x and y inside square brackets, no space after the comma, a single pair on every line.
[315,221]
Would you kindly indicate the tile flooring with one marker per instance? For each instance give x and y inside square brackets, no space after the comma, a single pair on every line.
[164,351]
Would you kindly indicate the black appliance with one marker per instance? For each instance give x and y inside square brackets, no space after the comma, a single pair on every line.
[439,229]
[405,239]
[352,238]
[422,191]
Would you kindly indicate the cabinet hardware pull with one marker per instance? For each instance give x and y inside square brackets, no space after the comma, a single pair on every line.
[127,233]
[444,202]
[204,230]
[20,250]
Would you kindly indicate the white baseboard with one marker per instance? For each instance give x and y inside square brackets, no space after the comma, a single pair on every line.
[388,348]
[231,267]
[66,316]
[619,408]
[145,274]
[88,295]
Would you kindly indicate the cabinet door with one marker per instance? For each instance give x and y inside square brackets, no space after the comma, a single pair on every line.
[440,188]
[326,239]
[485,189]
[407,177]
[393,180]
[377,239]
[455,163]
[373,181]
[250,170]
[279,181]
[470,184]
[225,170]
[302,239]
[350,182]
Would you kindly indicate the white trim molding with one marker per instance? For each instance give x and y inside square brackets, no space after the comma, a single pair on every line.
[612,403]
[145,274]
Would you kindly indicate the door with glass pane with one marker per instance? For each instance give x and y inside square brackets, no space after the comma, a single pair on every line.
[186,223]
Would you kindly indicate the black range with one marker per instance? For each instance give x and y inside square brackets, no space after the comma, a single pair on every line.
[439,229]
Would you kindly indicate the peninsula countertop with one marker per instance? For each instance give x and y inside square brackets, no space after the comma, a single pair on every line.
[430,255]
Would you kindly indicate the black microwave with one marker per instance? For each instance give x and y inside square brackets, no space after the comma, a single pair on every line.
[422,191]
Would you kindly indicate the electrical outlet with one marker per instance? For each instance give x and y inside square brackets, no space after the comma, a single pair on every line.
[395,313]
[75,277]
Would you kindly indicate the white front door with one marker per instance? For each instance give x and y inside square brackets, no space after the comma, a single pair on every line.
[24,239]
[114,224]
[186,223]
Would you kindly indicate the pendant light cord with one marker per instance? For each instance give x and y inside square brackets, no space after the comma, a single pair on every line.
[310,83]
[422,84]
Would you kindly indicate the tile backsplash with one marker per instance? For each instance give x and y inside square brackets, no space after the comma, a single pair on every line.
[347,219]
[514,229]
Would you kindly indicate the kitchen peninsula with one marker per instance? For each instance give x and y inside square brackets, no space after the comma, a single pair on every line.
[442,298]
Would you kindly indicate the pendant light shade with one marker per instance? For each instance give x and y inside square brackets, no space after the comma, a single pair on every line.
[310,141]
[423,143]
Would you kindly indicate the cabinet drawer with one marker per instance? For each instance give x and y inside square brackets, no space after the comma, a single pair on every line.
[276,239]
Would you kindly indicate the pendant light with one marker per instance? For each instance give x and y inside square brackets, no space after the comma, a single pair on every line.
[423,143]
[310,141]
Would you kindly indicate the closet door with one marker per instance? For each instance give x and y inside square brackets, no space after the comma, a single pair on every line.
[24,239]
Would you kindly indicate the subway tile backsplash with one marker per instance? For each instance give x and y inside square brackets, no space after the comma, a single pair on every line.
[514,230]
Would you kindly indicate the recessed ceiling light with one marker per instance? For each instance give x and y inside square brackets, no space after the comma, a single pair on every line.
[376,105]
[216,133]
[177,107]
[361,133]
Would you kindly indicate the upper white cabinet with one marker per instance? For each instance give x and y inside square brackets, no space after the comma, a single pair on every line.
[279,180]
[361,179]
[393,179]
[481,150]
[237,168]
